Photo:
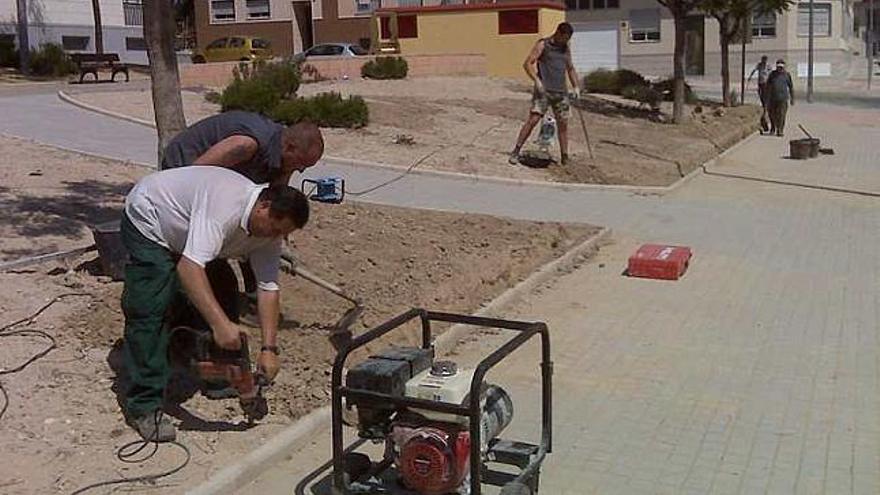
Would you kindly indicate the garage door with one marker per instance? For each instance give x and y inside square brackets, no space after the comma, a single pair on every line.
[594,46]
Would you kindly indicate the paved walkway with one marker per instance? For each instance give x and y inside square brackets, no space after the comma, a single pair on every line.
[756,373]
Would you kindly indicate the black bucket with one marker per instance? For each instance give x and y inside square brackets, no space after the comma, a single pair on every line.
[111,252]
[801,149]
[814,147]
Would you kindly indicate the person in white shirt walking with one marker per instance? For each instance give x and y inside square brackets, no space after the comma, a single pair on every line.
[763,70]
[177,222]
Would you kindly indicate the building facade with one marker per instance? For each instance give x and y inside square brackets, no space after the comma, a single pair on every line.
[640,35]
[71,24]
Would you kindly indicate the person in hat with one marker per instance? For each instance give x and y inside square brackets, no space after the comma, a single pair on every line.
[780,92]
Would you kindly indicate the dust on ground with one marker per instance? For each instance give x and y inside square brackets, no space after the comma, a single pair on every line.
[63,409]
[468,125]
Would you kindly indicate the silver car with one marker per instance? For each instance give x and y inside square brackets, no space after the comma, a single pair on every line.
[331,50]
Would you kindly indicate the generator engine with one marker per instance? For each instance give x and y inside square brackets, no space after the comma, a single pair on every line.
[430,449]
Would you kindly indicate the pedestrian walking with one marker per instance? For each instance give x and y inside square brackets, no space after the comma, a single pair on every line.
[780,92]
[762,69]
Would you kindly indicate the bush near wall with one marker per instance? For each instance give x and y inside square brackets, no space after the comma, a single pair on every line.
[385,68]
[50,60]
[325,110]
[612,82]
[270,89]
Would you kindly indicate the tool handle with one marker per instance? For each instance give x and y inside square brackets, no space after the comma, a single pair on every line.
[801,127]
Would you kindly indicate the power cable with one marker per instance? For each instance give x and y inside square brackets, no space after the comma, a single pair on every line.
[8,330]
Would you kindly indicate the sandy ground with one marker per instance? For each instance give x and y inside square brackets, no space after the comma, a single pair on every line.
[468,125]
[63,410]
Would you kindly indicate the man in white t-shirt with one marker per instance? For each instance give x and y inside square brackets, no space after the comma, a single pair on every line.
[176,223]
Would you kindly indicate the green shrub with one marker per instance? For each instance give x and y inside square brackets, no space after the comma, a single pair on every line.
[285,77]
[250,95]
[50,60]
[385,68]
[8,54]
[612,82]
[325,110]
[645,95]
[666,89]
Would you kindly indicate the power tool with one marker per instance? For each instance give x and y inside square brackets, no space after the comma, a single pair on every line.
[194,349]
[325,189]
[441,424]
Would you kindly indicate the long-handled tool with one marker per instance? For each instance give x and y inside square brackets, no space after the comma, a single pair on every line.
[341,333]
[584,127]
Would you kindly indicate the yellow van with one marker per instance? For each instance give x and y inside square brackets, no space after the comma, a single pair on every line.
[233,48]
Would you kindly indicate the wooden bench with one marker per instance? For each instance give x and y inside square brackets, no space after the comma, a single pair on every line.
[89,63]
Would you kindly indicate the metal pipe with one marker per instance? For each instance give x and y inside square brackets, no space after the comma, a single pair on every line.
[810,57]
[870,43]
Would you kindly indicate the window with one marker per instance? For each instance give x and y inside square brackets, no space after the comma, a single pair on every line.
[134,12]
[258,9]
[221,43]
[223,10]
[821,19]
[407,27]
[644,25]
[367,6]
[764,25]
[259,43]
[518,22]
[75,42]
[325,50]
[359,50]
[236,42]
[135,44]
[604,4]
[409,3]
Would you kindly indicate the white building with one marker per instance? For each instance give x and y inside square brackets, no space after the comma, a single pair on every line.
[71,24]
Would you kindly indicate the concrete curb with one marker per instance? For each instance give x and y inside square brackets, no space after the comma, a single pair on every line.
[98,156]
[295,436]
[67,98]
[563,186]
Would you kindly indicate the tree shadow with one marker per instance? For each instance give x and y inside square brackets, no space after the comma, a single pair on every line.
[62,214]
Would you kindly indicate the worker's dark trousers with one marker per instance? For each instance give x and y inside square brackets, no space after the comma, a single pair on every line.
[777,110]
[153,301]
[151,286]
[762,94]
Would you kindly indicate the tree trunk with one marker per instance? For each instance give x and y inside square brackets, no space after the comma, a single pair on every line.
[24,44]
[99,27]
[167,105]
[678,63]
[724,36]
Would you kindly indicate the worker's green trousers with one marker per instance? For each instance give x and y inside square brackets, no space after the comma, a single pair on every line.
[151,286]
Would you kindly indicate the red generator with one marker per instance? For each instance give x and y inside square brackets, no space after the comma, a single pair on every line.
[659,261]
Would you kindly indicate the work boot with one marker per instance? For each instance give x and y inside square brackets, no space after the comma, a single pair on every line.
[155,427]
[514,158]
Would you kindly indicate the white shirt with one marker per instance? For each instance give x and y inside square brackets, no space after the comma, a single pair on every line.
[202,213]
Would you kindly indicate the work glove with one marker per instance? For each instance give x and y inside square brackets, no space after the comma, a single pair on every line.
[269,364]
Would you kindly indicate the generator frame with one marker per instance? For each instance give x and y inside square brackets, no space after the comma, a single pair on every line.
[529,461]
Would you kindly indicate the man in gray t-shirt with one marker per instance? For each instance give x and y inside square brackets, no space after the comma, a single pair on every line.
[251,144]
[548,65]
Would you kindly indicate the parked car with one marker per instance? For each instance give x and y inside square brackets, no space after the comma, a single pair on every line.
[331,50]
[243,48]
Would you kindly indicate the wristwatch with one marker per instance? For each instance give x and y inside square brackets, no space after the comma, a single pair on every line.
[270,348]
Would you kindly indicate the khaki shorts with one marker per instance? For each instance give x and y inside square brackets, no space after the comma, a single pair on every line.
[559,103]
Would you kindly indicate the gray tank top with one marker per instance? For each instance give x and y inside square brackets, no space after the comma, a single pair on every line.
[551,66]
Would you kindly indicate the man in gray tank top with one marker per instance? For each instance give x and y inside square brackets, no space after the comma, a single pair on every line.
[547,66]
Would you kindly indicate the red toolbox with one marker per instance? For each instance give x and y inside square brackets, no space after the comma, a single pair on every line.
[659,261]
